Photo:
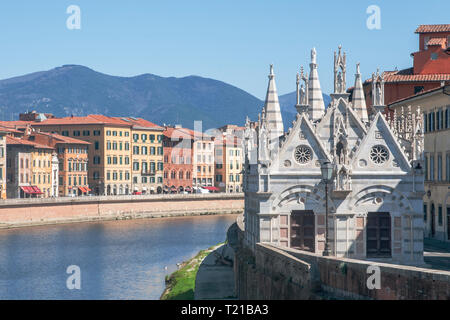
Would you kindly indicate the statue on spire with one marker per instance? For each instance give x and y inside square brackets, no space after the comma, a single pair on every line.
[339,71]
[378,91]
[313,56]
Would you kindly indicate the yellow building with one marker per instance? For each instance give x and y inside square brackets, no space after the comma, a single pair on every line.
[435,106]
[146,156]
[229,161]
[41,169]
[111,150]
[203,161]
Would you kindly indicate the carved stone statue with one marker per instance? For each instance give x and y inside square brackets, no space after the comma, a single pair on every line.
[313,56]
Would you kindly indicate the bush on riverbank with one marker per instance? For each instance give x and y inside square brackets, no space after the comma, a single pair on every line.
[180,285]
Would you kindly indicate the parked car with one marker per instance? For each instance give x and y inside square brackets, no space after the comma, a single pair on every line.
[202,190]
[137,193]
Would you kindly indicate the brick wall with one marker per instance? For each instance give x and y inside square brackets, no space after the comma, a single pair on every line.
[17,212]
[272,272]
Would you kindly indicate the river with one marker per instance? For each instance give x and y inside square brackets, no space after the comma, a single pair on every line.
[117,259]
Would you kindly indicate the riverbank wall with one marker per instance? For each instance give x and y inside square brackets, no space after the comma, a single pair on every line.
[29,212]
[273,272]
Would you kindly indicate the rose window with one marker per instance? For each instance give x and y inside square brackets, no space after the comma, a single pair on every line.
[303,154]
[379,154]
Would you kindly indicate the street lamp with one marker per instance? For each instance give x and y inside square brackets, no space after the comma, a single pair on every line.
[327,175]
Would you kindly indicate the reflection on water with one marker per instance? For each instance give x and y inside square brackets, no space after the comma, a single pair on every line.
[118,259]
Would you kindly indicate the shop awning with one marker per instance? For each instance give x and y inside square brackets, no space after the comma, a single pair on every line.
[82,189]
[88,189]
[28,190]
[37,190]
[31,190]
[211,188]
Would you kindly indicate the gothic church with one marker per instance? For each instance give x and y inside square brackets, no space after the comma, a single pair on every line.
[375,194]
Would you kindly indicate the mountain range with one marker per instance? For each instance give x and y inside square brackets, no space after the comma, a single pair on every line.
[78,90]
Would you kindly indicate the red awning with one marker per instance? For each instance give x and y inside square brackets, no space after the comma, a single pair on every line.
[28,190]
[211,188]
[82,189]
[31,190]
[88,189]
[36,190]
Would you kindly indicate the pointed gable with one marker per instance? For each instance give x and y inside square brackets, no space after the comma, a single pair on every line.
[294,150]
[341,117]
[380,150]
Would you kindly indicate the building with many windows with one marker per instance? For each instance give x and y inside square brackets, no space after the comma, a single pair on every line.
[228,164]
[19,168]
[178,152]
[71,157]
[109,153]
[146,156]
[203,161]
[434,104]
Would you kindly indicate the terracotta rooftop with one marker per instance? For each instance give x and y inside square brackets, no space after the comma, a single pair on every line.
[406,75]
[429,28]
[89,119]
[24,142]
[437,42]
[9,129]
[185,133]
[61,138]
[139,122]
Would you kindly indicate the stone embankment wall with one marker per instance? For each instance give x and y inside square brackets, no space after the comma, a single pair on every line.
[23,212]
[280,273]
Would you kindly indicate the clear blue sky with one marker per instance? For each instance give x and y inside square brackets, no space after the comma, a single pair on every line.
[232,41]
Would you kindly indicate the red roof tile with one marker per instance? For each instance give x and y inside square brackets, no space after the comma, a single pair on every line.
[24,142]
[60,138]
[89,119]
[140,122]
[406,75]
[436,42]
[185,133]
[428,28]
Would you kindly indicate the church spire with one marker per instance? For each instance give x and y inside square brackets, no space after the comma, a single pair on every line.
[272,109]
[358,99]
[315,98]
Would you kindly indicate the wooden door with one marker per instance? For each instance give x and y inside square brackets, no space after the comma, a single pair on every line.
[303,230]
[378,234]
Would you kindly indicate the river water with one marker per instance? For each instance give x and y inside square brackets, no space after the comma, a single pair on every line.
[117,259]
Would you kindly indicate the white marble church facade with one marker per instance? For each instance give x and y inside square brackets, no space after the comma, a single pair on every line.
[375,197]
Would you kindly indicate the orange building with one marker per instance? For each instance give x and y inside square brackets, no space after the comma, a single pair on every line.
[72,155]
[178,154]
[431,67]
[20,170]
